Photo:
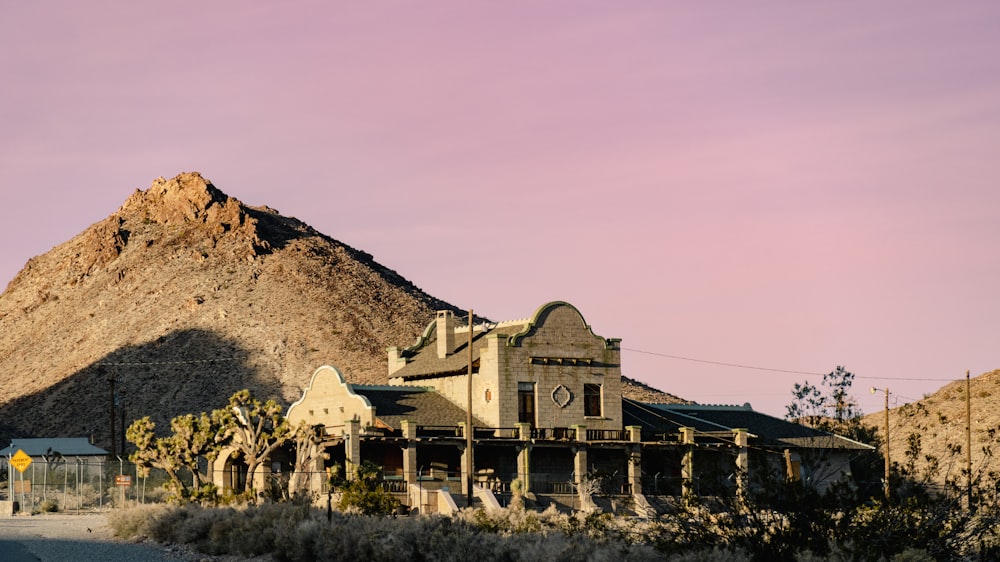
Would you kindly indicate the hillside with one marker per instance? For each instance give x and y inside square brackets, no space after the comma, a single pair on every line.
[940,420]
[183,296]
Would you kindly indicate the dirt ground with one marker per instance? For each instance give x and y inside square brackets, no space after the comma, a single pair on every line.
[60,536]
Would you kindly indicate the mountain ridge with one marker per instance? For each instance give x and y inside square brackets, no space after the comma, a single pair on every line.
[183,296]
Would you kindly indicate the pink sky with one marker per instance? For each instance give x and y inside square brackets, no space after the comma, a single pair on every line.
[786,185]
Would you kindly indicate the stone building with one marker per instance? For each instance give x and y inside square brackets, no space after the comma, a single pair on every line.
[549,421]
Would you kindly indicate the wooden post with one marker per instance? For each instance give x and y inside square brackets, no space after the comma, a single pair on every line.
[968,440]
[111,384]
[469,430]
[687,465]
[887,463]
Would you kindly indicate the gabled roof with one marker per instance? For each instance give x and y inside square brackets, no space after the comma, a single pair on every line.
[65,446]
[420,405]
[422,357]
[768,431]
[422,360]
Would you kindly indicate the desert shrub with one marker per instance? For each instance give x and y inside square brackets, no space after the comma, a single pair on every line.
[714,554]
[364,495]
[135,521]
[298,532]
[48,506]
[913,555]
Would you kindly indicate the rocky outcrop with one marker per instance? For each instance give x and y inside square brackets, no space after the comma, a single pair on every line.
[183,296]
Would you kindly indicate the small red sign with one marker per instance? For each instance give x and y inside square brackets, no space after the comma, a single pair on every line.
[123,480]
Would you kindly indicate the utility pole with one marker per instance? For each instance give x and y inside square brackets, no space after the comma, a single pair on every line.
[469,464]
[968,440]
[111,385]
[887,462]
[887,445]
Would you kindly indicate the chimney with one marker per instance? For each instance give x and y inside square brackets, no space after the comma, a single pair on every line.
[445,333]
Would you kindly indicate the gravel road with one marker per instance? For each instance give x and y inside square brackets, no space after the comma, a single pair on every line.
[58,537]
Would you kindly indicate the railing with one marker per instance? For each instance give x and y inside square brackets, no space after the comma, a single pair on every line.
[511,433]
[497,433]
[496,486]
[393,485]
[560,433]
[606,435]
[439,431]
[560,488]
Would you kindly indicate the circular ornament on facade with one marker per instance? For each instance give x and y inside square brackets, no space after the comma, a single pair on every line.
[561,396]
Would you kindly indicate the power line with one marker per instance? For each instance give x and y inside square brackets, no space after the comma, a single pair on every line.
[181,362]
[774,370]
[904,379]
[724,364]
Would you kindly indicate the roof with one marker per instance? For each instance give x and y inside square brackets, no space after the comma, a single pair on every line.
[768,431]
[420,405]
[65,446]
[423,360]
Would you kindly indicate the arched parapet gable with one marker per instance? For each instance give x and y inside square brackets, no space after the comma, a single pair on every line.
[568,313]
[329,401]
[422,340]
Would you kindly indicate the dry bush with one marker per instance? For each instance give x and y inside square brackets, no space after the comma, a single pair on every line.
[134,522]
[296,532]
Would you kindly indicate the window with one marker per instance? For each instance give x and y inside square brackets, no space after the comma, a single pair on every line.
[592,400]
[526,402]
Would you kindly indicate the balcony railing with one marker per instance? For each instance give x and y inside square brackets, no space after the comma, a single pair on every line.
[606,435]
[559,433]
[513,433]
[398,486]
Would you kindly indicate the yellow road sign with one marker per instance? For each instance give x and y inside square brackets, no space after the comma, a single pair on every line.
[20,460]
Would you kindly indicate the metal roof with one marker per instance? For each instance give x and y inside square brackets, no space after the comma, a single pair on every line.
[65,446]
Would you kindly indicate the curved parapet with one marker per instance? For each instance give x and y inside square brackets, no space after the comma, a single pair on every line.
[565,311]
[422,339]
[331,402]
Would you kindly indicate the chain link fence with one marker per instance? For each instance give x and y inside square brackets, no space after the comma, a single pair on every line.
[79,484]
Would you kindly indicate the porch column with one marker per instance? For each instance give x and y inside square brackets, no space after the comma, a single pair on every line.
[793,466]
[410,452]
[740,436]
[635,458]
[687,463]
[579,454]
[524,457]
[466,451]
[352,448]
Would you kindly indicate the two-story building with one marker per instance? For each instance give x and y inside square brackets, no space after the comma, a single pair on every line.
[547,417]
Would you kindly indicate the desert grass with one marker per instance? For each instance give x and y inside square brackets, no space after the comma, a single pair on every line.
[298,532]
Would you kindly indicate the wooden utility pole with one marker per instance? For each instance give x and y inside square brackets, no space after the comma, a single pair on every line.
[968,439]
[469,464]
[111,384]
[887,463]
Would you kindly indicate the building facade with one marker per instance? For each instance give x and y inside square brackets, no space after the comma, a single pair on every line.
[549,422]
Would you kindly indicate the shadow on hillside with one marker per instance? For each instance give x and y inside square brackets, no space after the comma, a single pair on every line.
[189,371]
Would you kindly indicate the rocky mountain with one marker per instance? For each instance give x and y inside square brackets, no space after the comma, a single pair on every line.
[183,296]
[936,427]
